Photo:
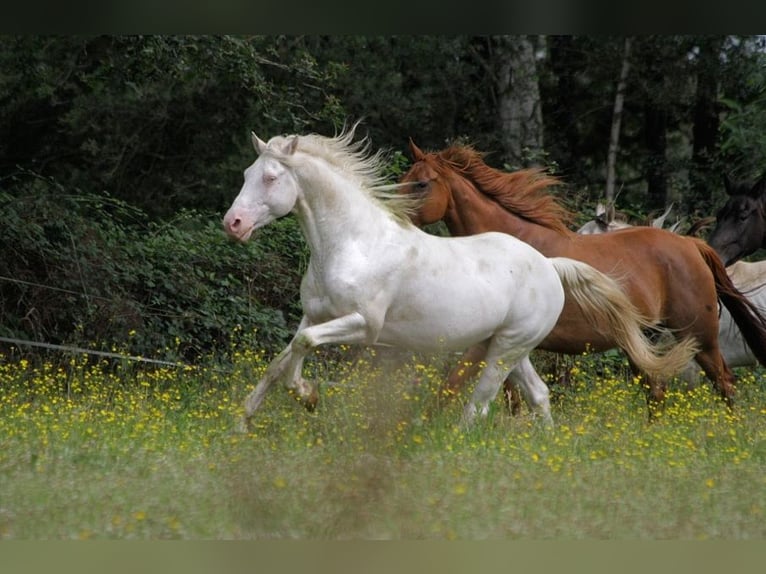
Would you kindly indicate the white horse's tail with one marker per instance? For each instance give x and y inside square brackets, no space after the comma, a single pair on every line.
[608,309]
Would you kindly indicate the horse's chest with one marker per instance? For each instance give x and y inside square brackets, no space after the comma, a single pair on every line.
[336,290]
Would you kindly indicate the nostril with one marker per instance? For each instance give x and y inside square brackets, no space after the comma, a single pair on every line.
[232,224]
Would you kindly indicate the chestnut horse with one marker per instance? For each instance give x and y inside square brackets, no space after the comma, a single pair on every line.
[675,281]
[749,277]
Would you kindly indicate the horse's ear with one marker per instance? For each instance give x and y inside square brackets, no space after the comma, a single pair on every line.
[659,222]
[291,146]
[600,209]
[258,143]
[417,154]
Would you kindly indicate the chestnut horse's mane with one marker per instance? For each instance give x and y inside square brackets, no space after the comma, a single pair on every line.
[521,192]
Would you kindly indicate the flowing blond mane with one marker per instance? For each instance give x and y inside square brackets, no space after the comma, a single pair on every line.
[523,192]
[356,161]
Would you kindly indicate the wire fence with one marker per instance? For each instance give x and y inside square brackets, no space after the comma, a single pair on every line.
[75,349]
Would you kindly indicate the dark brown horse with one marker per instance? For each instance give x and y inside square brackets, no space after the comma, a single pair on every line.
[740,227]
[674,281]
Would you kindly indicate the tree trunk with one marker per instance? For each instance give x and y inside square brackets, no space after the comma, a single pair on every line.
[614,137]
[521,118]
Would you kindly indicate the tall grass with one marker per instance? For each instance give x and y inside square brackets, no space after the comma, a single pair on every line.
[91,449]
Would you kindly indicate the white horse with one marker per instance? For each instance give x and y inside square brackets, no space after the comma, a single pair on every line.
[374,278]
[606,220]
[748,277]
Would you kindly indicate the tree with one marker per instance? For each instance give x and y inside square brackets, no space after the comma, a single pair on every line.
[519,105]
[159,121]
[705,118]
[614,137]
[742,104]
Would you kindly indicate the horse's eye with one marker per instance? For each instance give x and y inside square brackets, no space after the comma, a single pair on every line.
[421,184]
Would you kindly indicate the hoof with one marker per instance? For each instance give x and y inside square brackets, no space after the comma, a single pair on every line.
[310,402]
[306,392]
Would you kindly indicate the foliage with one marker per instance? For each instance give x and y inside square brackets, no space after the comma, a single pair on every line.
[154,132]
[91,270]
[743,130]
[159,121]
[162,121]
[430,88]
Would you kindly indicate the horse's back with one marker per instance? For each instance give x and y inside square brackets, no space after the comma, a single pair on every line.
[665,274]
[472,285]
[641,251]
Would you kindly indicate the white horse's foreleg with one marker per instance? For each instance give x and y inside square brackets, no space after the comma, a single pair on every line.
[349,329]
[274,371]
[534,390]
[288,365]
[285,363]
[291,375]
[294,381]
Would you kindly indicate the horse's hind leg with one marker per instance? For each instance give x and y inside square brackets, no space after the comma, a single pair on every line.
[719,373]
[498,366]
[486,388]
[469,364]
[655,390]
[716,370]
[512,396]
[655,395]
[535,392]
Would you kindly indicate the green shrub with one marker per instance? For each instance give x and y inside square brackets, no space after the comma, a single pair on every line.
[90,270]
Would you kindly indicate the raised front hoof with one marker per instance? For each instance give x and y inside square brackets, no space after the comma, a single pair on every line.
[307,394]
[310,402]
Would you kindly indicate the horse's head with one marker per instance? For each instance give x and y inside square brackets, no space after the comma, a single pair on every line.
[429,184]
[270,189]
[740,227]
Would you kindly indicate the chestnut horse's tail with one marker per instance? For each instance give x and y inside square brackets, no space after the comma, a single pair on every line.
[608,308]
[747,317]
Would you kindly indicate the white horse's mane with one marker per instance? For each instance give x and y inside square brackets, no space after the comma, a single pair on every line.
[355,160]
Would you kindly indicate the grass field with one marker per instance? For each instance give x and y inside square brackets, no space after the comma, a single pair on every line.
[97,450]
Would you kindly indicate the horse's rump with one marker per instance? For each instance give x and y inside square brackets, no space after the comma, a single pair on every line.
[746,315]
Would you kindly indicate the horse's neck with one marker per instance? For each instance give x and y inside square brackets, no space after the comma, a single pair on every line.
[332,216]
[471,212]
